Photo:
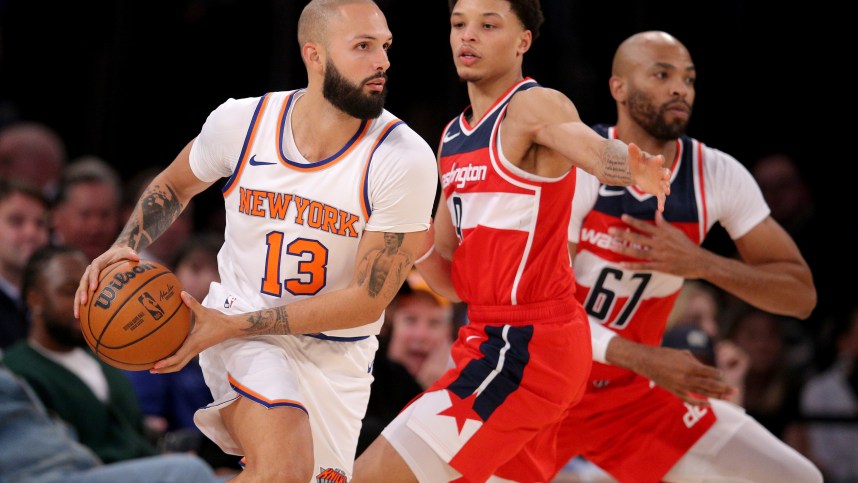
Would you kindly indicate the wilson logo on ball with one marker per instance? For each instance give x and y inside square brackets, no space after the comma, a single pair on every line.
[108,293]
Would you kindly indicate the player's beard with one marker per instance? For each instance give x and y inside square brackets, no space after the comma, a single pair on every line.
[653,120]
[351,98]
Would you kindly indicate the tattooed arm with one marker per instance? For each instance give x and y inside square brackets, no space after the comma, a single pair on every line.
[162,202]
[383,261]
[543,134]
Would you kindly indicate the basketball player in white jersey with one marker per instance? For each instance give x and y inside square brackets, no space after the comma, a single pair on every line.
[328,199]
[630,261]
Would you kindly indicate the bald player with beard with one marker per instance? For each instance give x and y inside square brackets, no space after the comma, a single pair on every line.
[630,262]
[328,198]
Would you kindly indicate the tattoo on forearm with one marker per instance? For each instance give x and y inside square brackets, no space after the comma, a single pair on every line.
[157,209]
[269,322]
[383,270]
[615,164]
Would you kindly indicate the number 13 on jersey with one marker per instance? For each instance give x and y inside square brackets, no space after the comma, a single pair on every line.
[312,263]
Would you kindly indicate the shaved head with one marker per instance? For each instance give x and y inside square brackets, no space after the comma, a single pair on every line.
[317,15]
[653,83]
[637,49]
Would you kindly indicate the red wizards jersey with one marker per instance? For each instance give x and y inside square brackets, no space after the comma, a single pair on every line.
[511,224]
[706,186]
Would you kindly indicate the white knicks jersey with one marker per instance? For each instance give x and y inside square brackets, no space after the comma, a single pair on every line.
[293,226]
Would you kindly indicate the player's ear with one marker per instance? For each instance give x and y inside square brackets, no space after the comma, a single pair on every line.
[617,85]
[524,43]
[313,57]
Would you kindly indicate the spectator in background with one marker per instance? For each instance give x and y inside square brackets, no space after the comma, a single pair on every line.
[414,355]
[37,448]
[772,385]
[23,230]
[785,192]
[86,210]
[831,395]
[33,153]
[94,398]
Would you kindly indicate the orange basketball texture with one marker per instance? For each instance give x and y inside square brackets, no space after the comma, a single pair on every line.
[135,317]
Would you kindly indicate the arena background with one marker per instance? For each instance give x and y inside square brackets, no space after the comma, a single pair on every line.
[133,81]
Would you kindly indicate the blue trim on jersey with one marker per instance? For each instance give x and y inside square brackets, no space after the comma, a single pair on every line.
[509,378]
[265,403]
[369,163]
[682,202]
[237,169]
[321,336]
[324,161]
[480,137]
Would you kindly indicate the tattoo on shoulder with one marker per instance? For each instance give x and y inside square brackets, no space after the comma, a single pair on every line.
[269,322]
[158,208]
[383,270]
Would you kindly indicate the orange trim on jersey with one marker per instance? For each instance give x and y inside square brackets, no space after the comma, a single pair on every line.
[247,145]
[347,148]
[244,391]
[363,191]
[494,105]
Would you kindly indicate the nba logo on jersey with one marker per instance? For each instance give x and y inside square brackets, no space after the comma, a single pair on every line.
[227,304]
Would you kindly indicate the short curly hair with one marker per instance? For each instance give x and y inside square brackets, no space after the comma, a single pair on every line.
[529,12]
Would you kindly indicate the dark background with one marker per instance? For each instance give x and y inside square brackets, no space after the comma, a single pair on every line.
[133,81]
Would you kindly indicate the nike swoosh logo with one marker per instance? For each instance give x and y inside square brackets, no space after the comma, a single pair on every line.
[448,137]
[471,337]
[254,162]
[604,191]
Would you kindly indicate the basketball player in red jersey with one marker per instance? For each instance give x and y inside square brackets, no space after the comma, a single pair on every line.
[506,167]
[630,263]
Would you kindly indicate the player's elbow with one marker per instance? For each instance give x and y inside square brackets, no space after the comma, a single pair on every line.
[807,303]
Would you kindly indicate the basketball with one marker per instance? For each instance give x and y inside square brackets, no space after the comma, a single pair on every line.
[135,317]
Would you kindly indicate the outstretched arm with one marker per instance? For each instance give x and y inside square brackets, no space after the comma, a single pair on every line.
[548,119]
[159,206]
[771,276]
[378,276]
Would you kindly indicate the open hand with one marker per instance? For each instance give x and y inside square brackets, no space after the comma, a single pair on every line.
[682,374]
[660,246]
[649,173]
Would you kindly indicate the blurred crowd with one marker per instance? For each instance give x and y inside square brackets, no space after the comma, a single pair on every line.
[798,378]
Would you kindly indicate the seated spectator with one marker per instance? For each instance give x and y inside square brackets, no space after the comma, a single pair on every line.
[32,153]
[830,396]
[23,229]
[86,210]
[93,397]
[37,448]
